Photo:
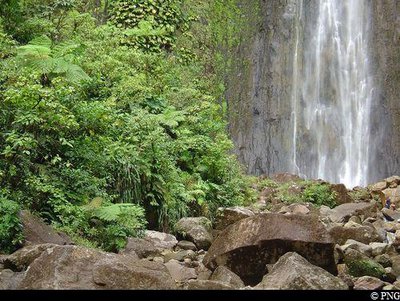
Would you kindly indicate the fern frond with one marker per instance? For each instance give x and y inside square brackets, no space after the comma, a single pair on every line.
[33,51]
[61,66]
[75,74]
[171,117]
[94,203]
[65,48]
[39,56]
[44,66]
[43,41]
[112,212]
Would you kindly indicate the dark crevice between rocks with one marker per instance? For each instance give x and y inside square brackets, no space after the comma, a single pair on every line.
[250,263]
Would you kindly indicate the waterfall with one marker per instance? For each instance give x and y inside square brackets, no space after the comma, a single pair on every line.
[332,93]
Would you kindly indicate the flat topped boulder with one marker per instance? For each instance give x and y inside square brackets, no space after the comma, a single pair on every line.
[76,267]
[248,245]
[229,216]
[342,213]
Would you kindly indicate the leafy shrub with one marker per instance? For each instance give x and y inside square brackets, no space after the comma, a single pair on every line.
[289,192]
[102,226]
[41,56]
[148,130]
[154,22]
[319,194]
[10,226]
[118,222]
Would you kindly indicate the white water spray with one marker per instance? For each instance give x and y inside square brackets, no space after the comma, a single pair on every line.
[331,97]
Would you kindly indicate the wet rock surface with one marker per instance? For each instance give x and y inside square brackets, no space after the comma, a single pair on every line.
[248,245]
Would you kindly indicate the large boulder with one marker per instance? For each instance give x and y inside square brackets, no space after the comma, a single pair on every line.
[22,258]
[202,272]
[179,271]
[36,231]
[393,194]
[378,248]
[360,265]
[384,260]
[342,213]
[141,247]
[379,186]
[393,181]
[186,245]
[293,272]
[391,215]
[368,283]
[153,244]
[299,209]
[359,246]
[364,234]
[295,208]
[10,279]
[75,267]
[248,245]
[342,195]
[160,239]
[225,275]
[195,229]
[229,216]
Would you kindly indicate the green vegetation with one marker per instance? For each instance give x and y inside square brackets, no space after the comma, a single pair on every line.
[297,191]
[10,227]
[117,101]
[362,195]
[365,267]
[319,194]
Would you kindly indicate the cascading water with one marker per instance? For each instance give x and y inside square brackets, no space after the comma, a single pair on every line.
[331,93]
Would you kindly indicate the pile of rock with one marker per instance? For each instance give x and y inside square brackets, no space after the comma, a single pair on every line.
[352,246]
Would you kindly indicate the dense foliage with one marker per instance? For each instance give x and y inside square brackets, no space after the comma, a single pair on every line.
[10,227]
[296,191]
[112,103]
[319,194]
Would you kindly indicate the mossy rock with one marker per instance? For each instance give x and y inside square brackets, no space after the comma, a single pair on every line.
[366,267]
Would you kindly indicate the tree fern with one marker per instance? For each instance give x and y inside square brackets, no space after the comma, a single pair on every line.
[52,60]
[128,215]
[112,212]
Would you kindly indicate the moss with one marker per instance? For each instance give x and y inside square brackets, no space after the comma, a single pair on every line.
[366,267]
[360,195]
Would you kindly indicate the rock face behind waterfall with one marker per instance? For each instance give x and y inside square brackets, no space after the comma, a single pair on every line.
[259,87]
[248,245]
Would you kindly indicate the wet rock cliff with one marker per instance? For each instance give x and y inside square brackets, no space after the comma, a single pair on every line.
[260,83]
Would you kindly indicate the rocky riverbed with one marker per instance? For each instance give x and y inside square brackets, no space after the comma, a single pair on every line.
[268,245]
